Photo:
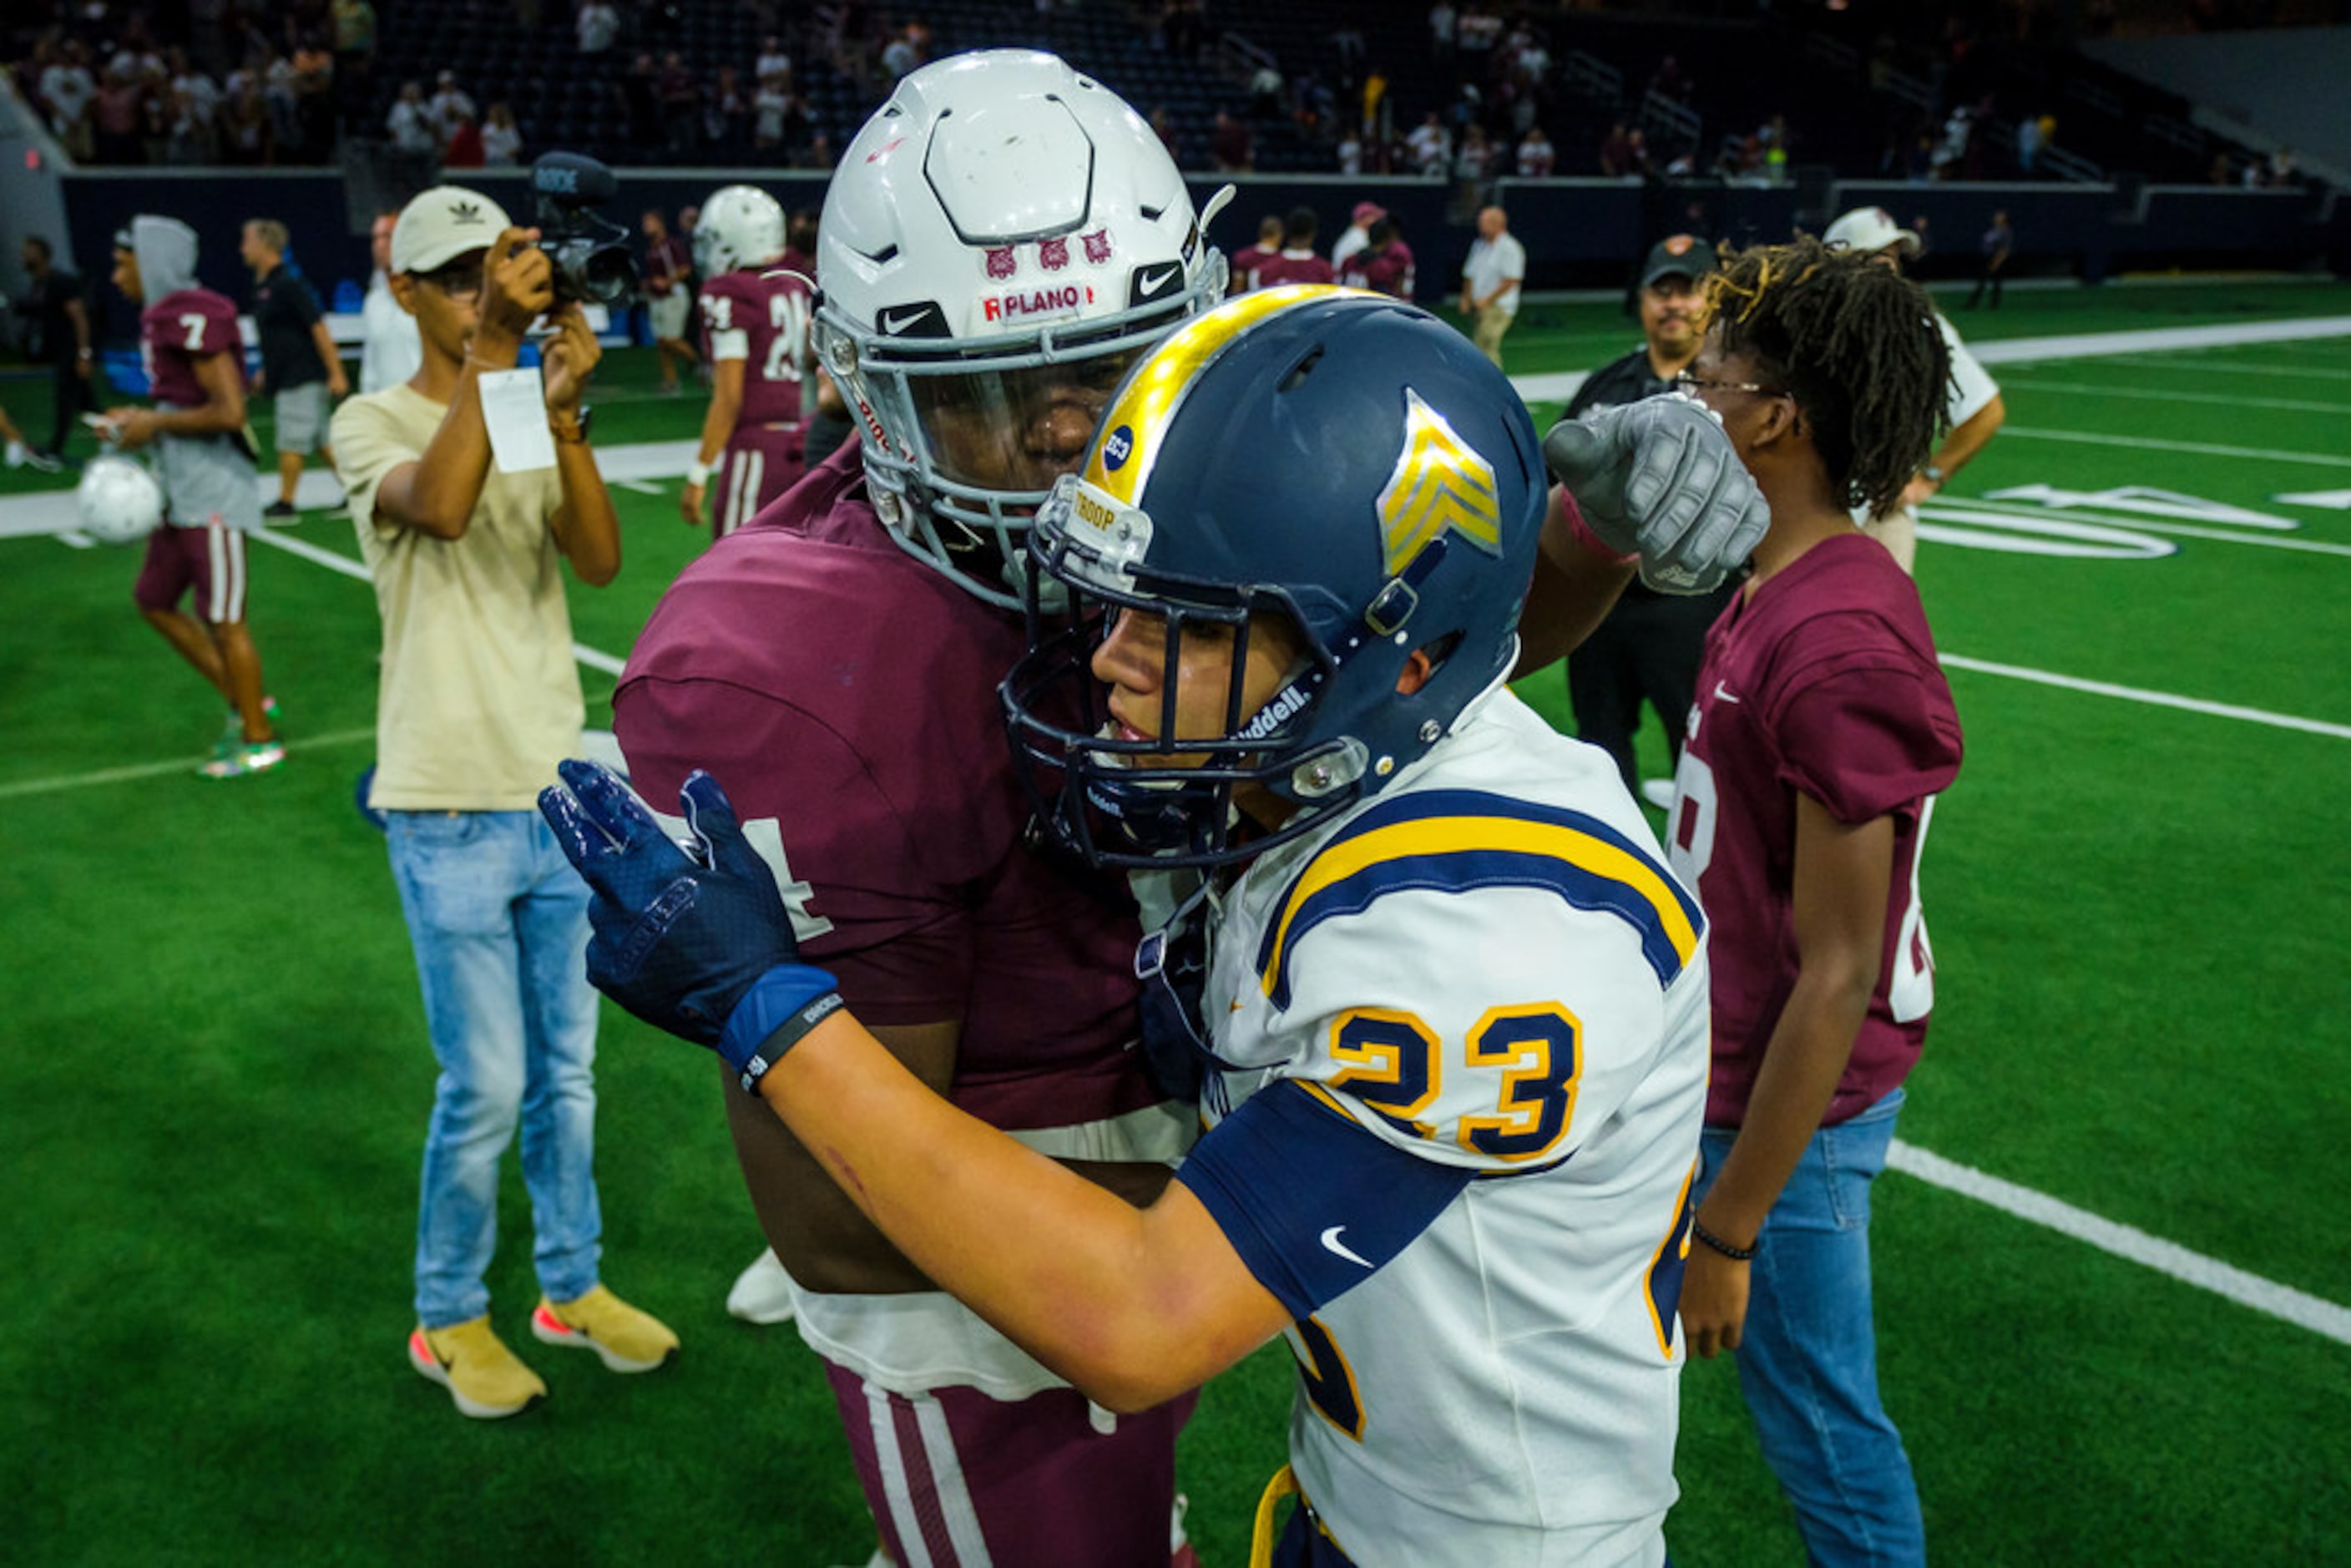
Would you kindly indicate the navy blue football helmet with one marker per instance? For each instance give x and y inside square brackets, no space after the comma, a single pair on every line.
[1339,459]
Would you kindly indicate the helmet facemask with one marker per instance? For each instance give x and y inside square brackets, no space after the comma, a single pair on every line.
[1001,240]
[1146,800]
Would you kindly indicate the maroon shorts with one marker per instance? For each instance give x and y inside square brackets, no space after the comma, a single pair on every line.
[760,462]
[1034,1483]
[209,560]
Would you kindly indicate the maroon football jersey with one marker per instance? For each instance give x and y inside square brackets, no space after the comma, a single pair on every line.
[1292,266]
[762,320]
[177,330]
[833,683]
[1245,264]
[1823,680]
[1390,272]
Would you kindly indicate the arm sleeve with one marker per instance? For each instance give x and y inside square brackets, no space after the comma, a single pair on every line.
[301,303]
[1311,1203]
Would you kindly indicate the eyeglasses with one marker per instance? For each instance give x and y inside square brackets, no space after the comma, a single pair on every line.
[1686,383]
[461,286]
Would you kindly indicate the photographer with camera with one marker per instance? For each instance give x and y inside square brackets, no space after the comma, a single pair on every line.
[470,484]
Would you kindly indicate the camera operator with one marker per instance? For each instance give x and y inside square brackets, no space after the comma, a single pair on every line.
[465,526]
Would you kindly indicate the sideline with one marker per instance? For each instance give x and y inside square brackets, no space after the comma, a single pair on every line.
[1559,386]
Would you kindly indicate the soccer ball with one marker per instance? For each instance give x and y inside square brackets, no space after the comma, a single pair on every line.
[119,501]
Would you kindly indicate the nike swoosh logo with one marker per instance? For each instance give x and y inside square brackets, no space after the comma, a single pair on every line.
[1331,1243]
[893,321]
[1723,693]
[1151,283]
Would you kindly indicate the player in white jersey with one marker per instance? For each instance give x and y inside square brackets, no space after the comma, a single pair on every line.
[1451,1005]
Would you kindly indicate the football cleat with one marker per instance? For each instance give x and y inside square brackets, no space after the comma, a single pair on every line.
[625,1339]
[235,759]
[486,1380]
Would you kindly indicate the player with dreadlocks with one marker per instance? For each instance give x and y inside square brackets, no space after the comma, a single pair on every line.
[1822,733]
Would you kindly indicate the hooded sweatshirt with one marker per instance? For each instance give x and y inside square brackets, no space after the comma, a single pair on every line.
[207,478]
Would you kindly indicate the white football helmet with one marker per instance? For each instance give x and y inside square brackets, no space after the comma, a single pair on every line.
[741,225]
[118,500]
[1000,241]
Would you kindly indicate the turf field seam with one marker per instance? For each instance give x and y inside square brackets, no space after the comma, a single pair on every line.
[2154,699]
[2125,1241]
[2223,366]
[158,770]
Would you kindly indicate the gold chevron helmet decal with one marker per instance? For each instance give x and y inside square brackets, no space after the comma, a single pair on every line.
[1440,482]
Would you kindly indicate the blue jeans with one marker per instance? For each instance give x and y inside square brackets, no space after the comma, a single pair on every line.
[499,922]
[1808,1354]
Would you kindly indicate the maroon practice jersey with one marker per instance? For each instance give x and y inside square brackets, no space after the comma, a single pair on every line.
[177,330]
[1245,264]
[1291,266]
[1823,680]
[836,684]
[1389,272]
[761,318]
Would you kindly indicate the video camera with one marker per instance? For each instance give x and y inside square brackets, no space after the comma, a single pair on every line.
[590,254]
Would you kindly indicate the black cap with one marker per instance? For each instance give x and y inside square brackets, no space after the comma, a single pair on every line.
[1677,255]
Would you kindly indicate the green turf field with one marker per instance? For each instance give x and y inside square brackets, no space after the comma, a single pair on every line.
[214,1076]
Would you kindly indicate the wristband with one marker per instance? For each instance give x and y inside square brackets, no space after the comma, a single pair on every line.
[697,474]
[1736,1254]
[781,1006]
[1580,531]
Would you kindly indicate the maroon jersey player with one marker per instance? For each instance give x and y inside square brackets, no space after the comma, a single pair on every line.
[189,345]
[1822,732]
[755,321]
[844,648]
[1295,262]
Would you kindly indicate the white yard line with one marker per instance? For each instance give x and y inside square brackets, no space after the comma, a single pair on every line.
[2153,394]
[2201,448]
[187,765]
[2153,699]
[2234,367]
[2299,1308]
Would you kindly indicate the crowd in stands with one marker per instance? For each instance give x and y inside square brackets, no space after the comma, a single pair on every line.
[247,82]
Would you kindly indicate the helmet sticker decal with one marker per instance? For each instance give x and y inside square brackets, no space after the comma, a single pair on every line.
[1440,482]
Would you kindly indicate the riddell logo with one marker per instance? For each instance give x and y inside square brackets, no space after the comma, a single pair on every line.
[1037,302]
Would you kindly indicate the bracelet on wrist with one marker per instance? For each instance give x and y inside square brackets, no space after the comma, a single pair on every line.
[1736,1254]
[781,1007]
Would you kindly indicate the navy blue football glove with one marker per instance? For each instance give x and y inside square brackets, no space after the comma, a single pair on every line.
[692,938]
[1660,479]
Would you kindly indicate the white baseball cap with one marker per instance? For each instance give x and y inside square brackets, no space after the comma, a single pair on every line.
[1869,230]
[443,224]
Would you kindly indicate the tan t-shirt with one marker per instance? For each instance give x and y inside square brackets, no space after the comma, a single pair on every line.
[479,697]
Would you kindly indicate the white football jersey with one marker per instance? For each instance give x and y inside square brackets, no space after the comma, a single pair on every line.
[1465,1034]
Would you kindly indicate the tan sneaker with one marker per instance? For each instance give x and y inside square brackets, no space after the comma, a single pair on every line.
[628,1340]
[486,1378]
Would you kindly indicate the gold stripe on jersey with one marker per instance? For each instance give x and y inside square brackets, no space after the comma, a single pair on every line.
[1430,842]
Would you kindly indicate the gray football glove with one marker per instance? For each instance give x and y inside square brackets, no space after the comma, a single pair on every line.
[1659,479]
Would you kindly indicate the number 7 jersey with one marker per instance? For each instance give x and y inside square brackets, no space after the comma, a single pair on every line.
[1463,1031]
